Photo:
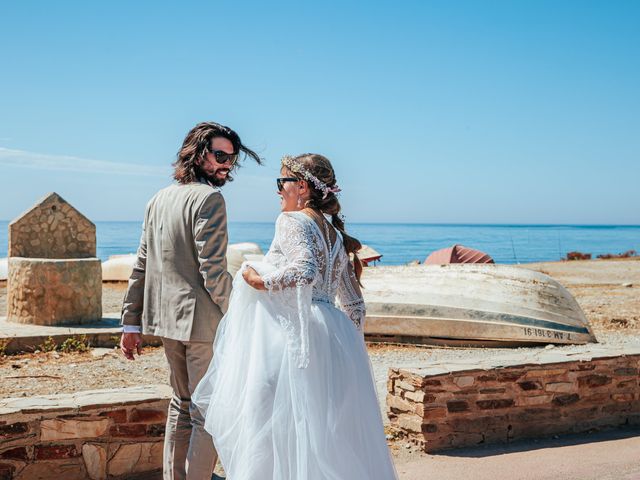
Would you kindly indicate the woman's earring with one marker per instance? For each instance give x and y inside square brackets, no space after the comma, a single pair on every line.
[299,202]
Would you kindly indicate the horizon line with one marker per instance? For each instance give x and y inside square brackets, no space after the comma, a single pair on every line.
[435,224]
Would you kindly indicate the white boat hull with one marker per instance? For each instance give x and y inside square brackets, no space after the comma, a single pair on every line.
[4,267]
[119,267]
[466,303]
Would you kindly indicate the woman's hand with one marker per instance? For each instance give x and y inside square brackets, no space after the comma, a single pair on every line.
[253,278]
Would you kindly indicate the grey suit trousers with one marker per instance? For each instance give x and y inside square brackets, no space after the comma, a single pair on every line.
[189,453]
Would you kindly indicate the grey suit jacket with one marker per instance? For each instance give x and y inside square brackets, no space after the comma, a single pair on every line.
[180,286]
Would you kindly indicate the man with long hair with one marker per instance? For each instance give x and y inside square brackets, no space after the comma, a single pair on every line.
[179,288]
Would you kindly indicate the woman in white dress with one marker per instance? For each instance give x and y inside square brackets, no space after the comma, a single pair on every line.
[289,394]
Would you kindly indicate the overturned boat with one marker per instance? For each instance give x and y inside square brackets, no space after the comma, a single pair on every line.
[471,304]
[458,254]
[118,268]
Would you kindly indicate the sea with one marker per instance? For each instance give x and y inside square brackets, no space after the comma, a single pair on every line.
[401,243]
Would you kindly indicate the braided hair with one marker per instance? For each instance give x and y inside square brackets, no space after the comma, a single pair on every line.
[327,202]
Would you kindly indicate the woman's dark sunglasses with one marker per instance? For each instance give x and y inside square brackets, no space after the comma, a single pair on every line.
[224,157]
[280,181]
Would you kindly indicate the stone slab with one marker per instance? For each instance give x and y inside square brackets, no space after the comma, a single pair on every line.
[27,338]
[80,400]
[524,357]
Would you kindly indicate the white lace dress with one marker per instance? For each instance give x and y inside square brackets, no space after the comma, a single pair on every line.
[289,394]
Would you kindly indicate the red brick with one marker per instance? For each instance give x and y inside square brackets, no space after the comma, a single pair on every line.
[13,430]
[18,453]
[584,367]
[594,380]
[118,416]
[429,412]
[493,404]
[530,385]
[628,383]
[622,397]
[457,406]
[128,430]
[429,428]
[562,400]
[487,391]
[47,452]
[147,415]
[510,376]
[479,424]
[596,398]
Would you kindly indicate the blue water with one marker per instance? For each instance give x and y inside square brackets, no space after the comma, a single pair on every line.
[402,243]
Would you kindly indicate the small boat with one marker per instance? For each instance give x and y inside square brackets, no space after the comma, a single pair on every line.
[457,254]
[471,304]
[237,253]
[368,255]
[118,268]
[4,267]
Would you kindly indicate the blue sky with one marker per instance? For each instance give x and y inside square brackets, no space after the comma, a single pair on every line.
[471,112]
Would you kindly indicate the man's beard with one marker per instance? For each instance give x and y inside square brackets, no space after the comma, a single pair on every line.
[213,180]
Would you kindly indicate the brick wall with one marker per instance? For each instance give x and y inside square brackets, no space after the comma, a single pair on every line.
[102,434]
[471,407]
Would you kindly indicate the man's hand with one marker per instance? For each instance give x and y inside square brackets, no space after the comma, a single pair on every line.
[131,343]
[253,278]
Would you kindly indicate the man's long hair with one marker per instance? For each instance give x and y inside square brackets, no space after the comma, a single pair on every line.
[196,145]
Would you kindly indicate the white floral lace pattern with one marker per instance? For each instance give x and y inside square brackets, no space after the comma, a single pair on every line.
[350,296]
[304,258]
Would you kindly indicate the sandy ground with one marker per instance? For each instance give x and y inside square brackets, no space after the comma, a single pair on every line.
[607,290]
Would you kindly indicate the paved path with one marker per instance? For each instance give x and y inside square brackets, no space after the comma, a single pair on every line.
[611,455]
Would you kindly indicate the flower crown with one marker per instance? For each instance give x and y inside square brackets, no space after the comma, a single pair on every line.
[295,166]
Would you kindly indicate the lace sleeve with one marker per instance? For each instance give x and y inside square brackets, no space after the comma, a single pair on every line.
[301,266]
[350,297]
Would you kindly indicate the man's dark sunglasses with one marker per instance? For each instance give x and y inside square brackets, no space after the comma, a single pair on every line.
[280,181]
[224,157]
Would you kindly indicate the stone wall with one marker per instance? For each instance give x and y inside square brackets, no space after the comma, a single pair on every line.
[101,434]
[54,292]
[482,406]
[52,229]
